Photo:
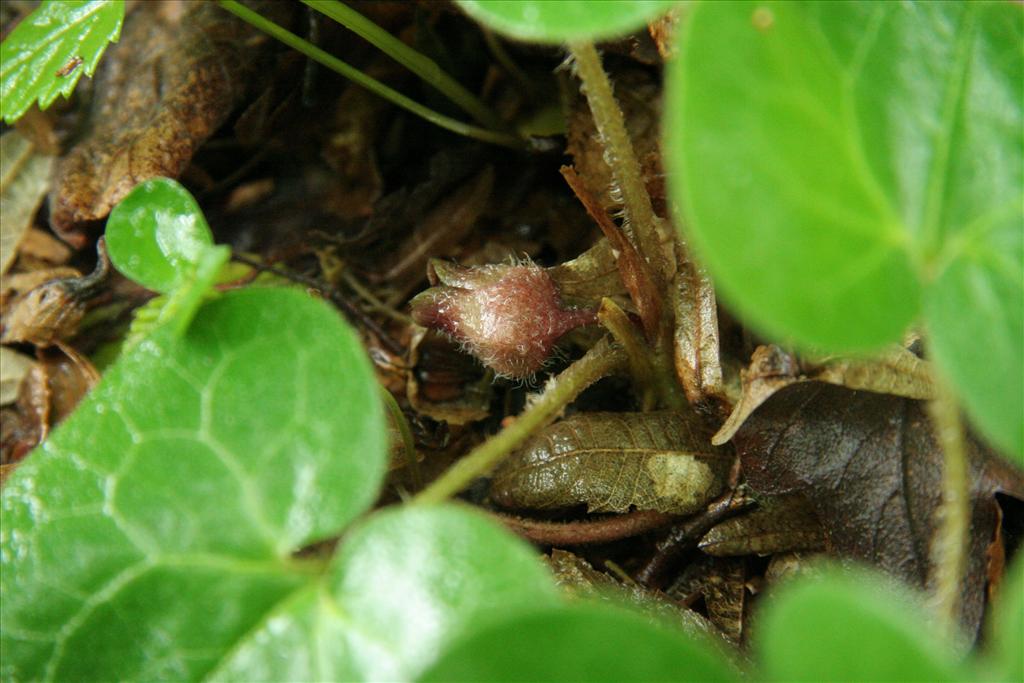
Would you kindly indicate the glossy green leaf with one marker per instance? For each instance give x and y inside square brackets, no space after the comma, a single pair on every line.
[564,20]
[850,626]
[581,642]
[844,166]
[1006,627]
[156,527]
[400,590]
[157,234]
[48,43]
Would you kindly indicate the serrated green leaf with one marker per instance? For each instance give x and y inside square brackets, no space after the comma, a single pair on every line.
[44,44]
[580,642]
[156,527]
[403,586]
[157,234]
[843,165]
[850,626]
[565,20]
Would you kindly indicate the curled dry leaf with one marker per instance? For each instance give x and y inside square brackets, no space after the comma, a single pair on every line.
[778,524]
[173,79]
[613,461]
[696,340]
[445,384]
[895,371]
[637,275]
[871,468]
[24,179]
[725,595]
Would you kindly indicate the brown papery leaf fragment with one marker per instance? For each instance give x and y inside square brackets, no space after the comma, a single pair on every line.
[613,461]
[895,371]
[161,91]
[871,468]
[777,524]
[695,338]
[725,595]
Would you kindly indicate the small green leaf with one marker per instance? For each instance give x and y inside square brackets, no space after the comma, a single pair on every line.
[565,20]
[580,642]
[400,590]
[157,234]
[1006,626]
[850,626]
[845,166]
[49,42]
[156,527]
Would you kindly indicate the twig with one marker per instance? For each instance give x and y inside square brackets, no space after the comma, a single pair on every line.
[686,534]
[603,530]
[603,359]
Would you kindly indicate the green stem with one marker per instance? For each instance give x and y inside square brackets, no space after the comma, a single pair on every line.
[611,129]
[635,347]
[949,552]
[371,84]
[421,65]
[600,361]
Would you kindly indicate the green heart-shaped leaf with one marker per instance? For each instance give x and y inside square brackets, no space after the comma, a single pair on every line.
[844,167]
[564,20]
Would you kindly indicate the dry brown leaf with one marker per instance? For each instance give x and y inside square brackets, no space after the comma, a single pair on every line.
[895,371]
[160,92]
[778,524]
[636,274]
[725,596]
[13,368]
[871,468]
[24,179]
[444,383]
[613,461]
[696,340]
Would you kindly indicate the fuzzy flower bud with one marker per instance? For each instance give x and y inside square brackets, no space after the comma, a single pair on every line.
[508,316]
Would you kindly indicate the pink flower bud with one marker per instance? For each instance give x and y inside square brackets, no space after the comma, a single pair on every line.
[508,316]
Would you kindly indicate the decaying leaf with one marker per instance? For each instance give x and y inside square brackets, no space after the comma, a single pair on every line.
[444,383]
[613,461]
[578,578]
[870,467]
[725,596]
[778,524]
[637,275]
[24,179]
[696,338]
[895,371]
[176,75]
[13,368]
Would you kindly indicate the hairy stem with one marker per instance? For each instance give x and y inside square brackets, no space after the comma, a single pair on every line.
[371,84]
[611,128]
[421,65]
[602,360]
[949,552]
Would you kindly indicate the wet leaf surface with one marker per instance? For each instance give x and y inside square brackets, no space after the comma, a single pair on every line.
[174,78]
[870,467]
[613,461]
